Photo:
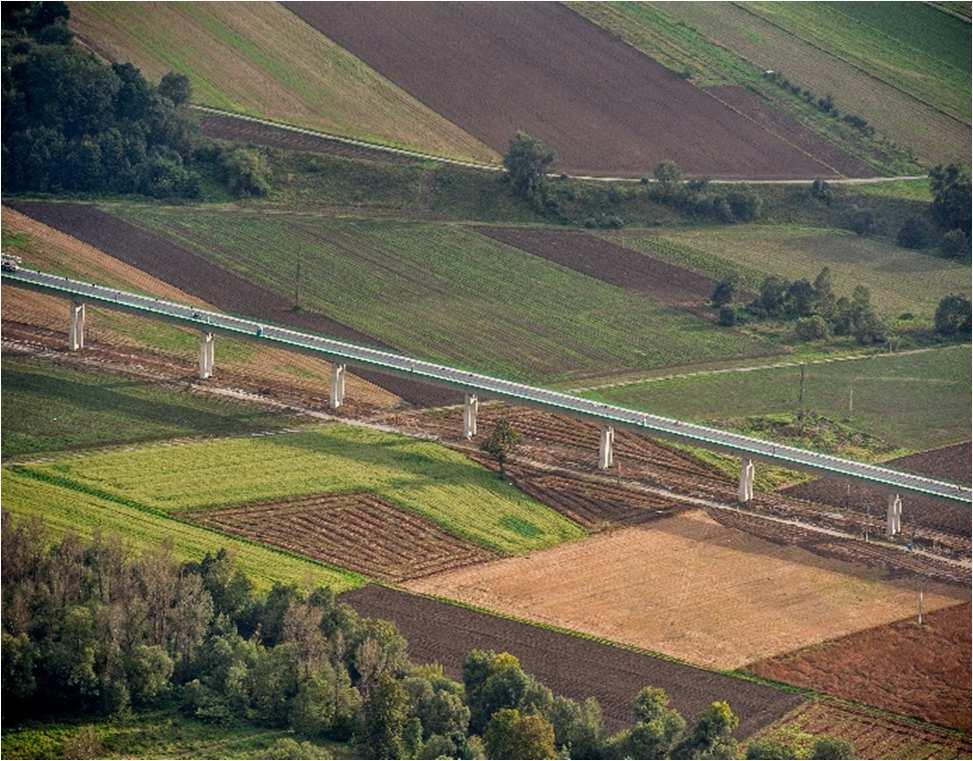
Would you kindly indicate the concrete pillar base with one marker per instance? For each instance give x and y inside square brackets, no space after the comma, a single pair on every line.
[76,331]
[606,448]
[745,491]
[207,355]
[337,385]
[470,407]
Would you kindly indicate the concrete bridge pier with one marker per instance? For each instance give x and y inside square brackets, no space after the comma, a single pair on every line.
[207,355]
[76,331]
[606,448]
[745,492]
[470,407]
[893,517]
[337,385]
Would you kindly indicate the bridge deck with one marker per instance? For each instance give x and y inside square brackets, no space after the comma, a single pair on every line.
[484,385]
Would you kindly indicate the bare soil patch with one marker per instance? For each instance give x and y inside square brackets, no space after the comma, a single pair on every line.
[915,670]
[949,464]
[607,261]
[494,68]
[166,260]
[752,105]
[362,532]
[689,587]
[569,665]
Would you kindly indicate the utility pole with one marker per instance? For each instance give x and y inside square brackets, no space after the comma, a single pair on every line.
[920,604]
[297,287]
[851,397]
[803,389]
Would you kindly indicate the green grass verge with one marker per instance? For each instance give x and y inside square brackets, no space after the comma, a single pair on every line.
[446,293]
[429,479]
[33,492]
[912,401]
[159,733]
[47,408]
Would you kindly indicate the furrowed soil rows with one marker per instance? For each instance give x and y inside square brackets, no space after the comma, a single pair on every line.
[873,736]
[494,68]
[747,598]
[609,262]
[225,290]
[359,531]
[949,463]
[569,665]
[915,670]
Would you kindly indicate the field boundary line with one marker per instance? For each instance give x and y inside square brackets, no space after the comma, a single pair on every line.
[773,366]
[551,175]
[943,9]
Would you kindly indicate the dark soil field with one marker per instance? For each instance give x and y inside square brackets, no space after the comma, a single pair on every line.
[921,671]
[361,532]
[225,290]
[949,464]
[756,108]
[496,68]
[569,665]
[609,262]
[244,131]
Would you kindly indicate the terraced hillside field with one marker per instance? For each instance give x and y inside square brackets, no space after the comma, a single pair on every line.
[261,60]
[495,68]
[440,292]
[462,498]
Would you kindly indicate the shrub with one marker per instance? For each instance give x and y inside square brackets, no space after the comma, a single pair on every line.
[724,292]
[953,316]
[862,221]
[955,244]
[527,161]
[914,233]
[746,204]
[812,328]
[728,316]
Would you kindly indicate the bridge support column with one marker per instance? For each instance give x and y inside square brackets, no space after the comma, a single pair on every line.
[207,355]
[337,385]
[745,492]
[606,449]
[893,517]
[76,331]
[470,407]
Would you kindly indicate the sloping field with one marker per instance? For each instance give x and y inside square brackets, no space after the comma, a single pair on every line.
[570,665]
[915,670]
[170,262]
[65,509]
[461,497]
[610,262]
[948,464]
[872,735]
[495,68]
[51,250]
[915,401]
[359,531]
[746,598]
[900,280]
[933,135]
[440,292]
[261,60]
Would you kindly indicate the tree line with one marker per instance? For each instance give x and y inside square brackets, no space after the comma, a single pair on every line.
[89,628]
[72,123]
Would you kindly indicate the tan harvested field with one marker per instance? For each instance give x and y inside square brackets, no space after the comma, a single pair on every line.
[45,248]
[689,587]
[262,60]
[933,135]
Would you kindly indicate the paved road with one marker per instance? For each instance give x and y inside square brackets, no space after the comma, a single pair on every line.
[484,385]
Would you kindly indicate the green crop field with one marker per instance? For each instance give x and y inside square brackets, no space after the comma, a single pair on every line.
[262,60]
[48,408]
[444,486]
[900,280]
[30,491]
[448,294]
[912,401]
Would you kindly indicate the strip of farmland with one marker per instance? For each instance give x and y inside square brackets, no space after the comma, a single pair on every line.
[569,665]
[167,260]
[495,68]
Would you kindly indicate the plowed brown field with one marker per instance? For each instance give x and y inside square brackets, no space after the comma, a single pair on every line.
[569,665]
[915,670]
[609,262]
[495,68]
[689,587]
[167,261]
[361,532]
[871,735]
